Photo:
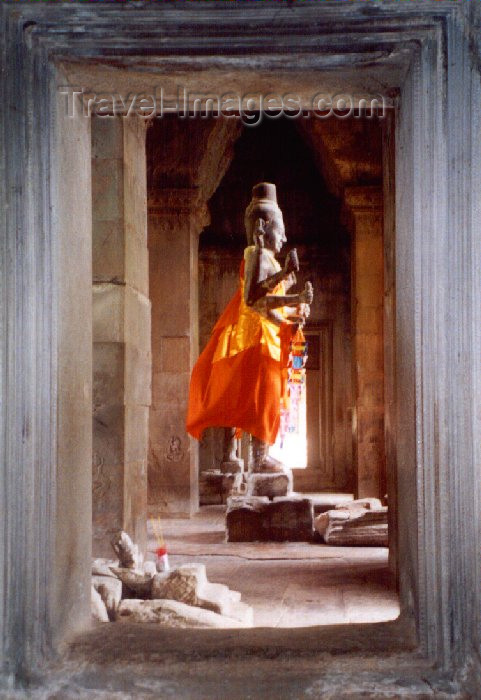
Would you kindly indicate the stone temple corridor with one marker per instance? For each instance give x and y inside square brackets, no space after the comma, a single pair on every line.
[122,236]
[289,584]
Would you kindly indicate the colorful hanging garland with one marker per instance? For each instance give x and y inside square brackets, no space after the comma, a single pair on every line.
[296,381]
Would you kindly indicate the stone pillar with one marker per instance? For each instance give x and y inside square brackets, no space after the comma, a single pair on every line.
[121,331]
[364,208]
[176,218]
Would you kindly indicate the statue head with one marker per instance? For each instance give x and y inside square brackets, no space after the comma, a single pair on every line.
[263,207]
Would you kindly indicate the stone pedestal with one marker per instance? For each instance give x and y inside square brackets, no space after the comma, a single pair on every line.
[215,487]
[175,220]
[244,519]
[270,485]
[232,466]
[256,519]
[364,208]
[121,332]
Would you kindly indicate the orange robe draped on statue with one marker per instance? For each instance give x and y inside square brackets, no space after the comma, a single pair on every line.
[240,377]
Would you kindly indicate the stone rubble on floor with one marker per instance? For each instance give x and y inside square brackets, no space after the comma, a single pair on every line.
[294,518]
[127,552]
[362,522]
[173,613]
[110,590]
[135,584]
[97,607]
[189,584]
[182,597]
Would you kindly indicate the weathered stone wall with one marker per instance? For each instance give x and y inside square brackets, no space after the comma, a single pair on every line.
[425,52]
[69,567]
[175,222]
[348,152]
[121,331]
[365,208]
[186,161]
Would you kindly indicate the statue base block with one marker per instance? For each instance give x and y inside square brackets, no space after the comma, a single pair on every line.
[216,487]
[256,519]
[233,466]
[270,485]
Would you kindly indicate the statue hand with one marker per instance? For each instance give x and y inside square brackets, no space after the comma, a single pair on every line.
[304,310]
[307,295]
[300,315]
[292,262]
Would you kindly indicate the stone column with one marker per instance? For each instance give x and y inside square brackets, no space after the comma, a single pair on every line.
[121,331]
[176,218]
[364,209]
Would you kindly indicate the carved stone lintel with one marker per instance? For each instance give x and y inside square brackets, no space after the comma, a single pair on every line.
[174,200]
[363,197]
[359,201]
[179,207]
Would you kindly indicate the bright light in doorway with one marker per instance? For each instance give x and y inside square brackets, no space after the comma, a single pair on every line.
[293,453]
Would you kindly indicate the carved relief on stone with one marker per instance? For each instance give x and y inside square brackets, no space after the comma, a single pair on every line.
[175,452]
[100,479]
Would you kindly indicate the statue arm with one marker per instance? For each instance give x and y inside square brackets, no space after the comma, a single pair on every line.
[272,281]
[296,306]
[276,301]
[259,280]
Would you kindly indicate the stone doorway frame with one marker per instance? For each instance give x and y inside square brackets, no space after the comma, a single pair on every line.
[424,56]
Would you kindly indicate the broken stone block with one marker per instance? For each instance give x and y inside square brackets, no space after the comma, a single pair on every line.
[289,520]
[127,552]
[135,584]
[150,568]
[222,600]
[244,519]
[101,567]
[97,606]
[367,528]
[323,502]
[110,590]
[172,613]
[285,519]
[360,504]
[180,584]
[321,523]
[270,485]
[189,584]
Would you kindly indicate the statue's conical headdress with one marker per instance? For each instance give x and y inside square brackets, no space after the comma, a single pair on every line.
[263,205]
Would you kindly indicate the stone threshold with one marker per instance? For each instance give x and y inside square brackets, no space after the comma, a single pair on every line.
[343,661]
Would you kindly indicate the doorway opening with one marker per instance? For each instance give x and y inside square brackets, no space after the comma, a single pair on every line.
[276,151]
[432,245]
[329,183]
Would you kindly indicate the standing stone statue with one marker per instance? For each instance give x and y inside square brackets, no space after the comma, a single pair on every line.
[239,379]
